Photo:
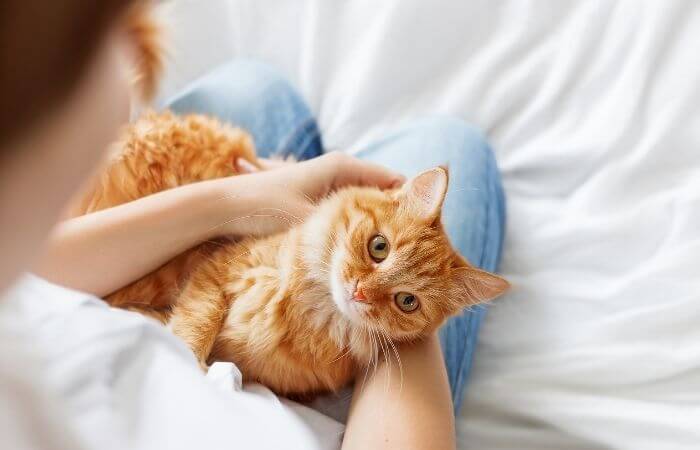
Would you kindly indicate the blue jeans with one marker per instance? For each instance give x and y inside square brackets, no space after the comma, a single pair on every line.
[255,97]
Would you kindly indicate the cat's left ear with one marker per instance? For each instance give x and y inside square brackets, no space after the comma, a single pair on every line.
[476,285]
[426,192]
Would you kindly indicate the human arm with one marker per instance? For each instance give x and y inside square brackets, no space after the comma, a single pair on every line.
[413,412]
[106,250]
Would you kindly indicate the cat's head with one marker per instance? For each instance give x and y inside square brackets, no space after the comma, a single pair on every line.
[389,264]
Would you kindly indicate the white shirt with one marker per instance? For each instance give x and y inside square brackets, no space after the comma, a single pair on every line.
[76,373]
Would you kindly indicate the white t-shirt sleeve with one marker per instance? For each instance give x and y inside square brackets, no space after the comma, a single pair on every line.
[121,380]
[30,416]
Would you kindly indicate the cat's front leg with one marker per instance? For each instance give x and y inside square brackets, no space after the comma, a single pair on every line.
[198,316]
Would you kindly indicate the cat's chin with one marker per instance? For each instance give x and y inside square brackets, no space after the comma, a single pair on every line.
[342,294]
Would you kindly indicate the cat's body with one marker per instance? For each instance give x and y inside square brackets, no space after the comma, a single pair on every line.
[303,310]
[276,322]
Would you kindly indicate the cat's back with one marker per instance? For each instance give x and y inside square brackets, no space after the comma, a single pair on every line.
[236,267]
[268,331]
[162,151]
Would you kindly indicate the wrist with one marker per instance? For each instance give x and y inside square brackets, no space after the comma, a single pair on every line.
[215,206]
[234,206]
[256,204]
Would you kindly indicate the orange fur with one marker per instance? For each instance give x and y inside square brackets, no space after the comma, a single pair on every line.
[282,307]
[145,35]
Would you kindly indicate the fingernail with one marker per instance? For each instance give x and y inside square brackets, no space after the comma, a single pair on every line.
[245,166]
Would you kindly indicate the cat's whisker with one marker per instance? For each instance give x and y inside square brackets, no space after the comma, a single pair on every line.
[286,216]
[297,218]
[299,192]
[369,363]
[324,263]
[230,261]
[376,353]
[384,346]
[224,310]
[212,241]
[342,355]
[398,357]
[258,246]
[249,216]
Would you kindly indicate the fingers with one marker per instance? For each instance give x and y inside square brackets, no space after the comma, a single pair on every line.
[245,166]
[330,172]
[354,171]
[371,174]
[271,163]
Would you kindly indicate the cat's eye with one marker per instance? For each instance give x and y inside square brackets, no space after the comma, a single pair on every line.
[378,248]
[406,302]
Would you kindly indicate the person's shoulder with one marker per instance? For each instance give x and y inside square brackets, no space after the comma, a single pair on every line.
[33,296]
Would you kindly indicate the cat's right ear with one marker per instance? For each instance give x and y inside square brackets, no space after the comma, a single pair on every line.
[425,192]
[475,285]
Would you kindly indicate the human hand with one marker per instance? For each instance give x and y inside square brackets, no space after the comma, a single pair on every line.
[282,194]
[331,171]
[137,237]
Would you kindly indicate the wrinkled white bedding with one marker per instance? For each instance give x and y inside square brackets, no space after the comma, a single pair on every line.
[593,109]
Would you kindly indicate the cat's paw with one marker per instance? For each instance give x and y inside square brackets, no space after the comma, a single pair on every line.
[203,365]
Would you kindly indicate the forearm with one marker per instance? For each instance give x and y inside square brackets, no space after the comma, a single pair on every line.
[106,250]
[415,414]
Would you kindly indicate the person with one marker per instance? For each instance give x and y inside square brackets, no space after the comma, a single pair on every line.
[75,373]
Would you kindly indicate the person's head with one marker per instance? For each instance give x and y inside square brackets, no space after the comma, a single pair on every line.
[64,94]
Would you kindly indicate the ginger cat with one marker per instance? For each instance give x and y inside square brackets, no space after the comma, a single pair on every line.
[301,311]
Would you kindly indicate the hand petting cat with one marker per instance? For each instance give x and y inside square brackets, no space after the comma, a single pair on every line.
[136,237]
[286,192]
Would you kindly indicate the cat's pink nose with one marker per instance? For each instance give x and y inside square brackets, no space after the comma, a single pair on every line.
[359,296]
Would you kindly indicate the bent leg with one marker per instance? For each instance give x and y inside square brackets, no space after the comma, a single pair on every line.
[473,213]
[257,98]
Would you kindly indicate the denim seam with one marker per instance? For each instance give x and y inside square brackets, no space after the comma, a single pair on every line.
[503,218]
[461,371]
[489,211]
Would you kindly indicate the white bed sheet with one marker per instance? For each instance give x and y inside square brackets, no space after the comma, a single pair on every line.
[593,108]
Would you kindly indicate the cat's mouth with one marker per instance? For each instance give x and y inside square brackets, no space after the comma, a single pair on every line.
[344,297]
[343,292]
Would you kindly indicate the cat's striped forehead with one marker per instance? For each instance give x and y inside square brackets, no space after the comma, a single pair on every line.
[418,261]
[419,251]
[414,259]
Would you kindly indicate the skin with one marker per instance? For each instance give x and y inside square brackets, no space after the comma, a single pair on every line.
[410,412]
[60,153]
[101,252]
[161,226]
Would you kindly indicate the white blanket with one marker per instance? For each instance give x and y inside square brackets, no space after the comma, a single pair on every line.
[593,109]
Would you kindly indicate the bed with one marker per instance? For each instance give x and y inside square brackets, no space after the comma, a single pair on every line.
[593,109]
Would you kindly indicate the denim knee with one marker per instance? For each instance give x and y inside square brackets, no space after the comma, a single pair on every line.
[472,166]
[456,141]
[474,214]
[252,81]
[253,70]
[461,146]
[257,97]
